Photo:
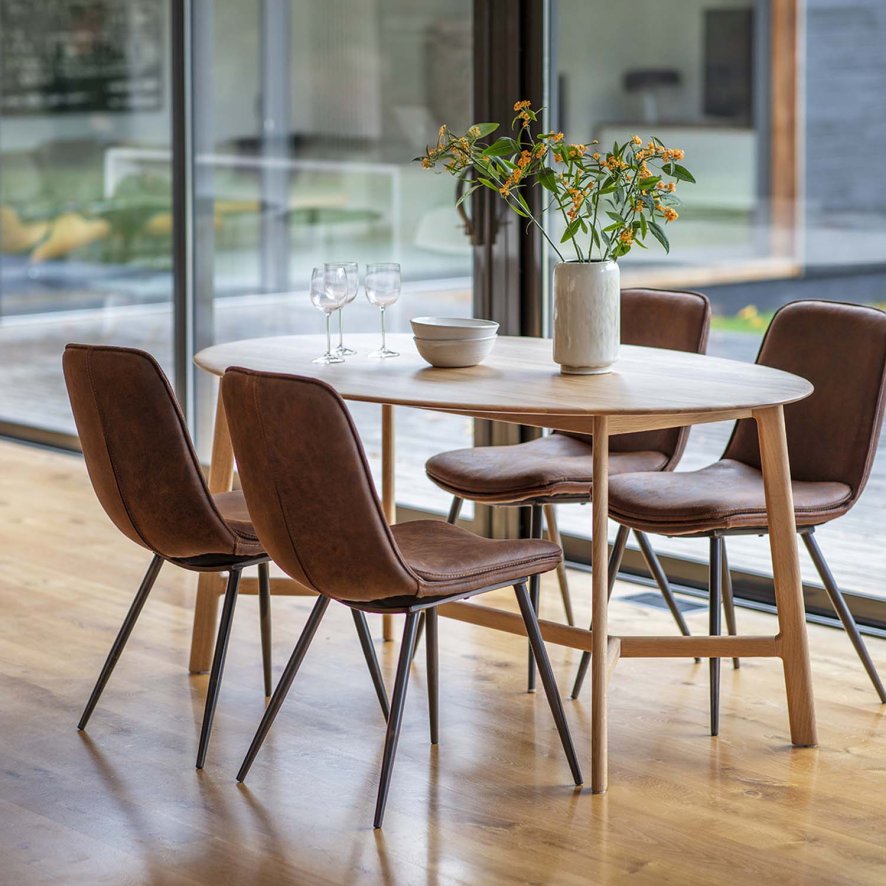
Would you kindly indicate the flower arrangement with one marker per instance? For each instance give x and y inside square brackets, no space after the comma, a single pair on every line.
[610,202]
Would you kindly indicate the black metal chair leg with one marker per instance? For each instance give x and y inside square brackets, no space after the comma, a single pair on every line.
[653,564]
[397,702]
[122,636]
[371,659]
[728,600]
[547,679]
[419,633]
[218,663]
[715,571]
[615,557]
[535,531]
[839,604]
[431,649]
[264,617]
[289,672]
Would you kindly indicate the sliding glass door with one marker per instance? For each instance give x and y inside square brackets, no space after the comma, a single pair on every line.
[85,222]
[307,117]
[770,99]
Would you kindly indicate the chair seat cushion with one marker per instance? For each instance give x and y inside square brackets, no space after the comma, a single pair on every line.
[725,495]
[550,466]
[233,510]
[450,560]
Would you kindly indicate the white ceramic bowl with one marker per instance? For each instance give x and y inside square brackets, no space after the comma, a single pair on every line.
[455,353]
[449,328]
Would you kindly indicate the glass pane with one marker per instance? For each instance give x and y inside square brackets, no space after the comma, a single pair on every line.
[85,226]
[777,213]
[312,162]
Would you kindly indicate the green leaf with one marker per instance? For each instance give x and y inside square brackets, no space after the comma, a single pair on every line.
[643,226]
[547,179]
[651,182]
[502,147]
[488,184]
[571,230]
[486,128]
[680,172]
[616,217]
[465,195]
[522,201]
[659,235]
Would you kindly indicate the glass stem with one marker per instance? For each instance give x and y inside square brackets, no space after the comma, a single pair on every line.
[328,335]
[341,341]
[383,346]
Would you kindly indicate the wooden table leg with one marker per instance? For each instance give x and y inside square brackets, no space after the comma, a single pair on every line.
[600,605]
[793,644]
[211,585]
[388,492]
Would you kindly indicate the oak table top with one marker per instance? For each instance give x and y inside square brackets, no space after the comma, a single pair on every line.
[520,378]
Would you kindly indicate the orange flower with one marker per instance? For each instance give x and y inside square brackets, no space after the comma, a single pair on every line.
[518,106]
[671,214]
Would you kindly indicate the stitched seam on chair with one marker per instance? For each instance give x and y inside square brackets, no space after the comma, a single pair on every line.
[194,460]
[498,568]
[101,416]
[716,515]
[264,440]
[517,490]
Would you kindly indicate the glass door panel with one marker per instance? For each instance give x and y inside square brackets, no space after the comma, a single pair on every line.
[310,115]
[85,225]
[776,215]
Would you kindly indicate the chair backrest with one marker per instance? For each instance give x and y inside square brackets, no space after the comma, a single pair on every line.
[832,434]
[308,487]
[138,453]
[658,318]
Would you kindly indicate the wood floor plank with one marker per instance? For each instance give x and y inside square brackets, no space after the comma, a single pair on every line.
[491,804]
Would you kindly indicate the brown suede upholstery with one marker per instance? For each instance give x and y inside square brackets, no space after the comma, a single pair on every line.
[311,496]
[141,460]
[832,434]
[557,465]
[561,464]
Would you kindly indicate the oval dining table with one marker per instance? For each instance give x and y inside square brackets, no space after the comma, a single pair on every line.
[519,383]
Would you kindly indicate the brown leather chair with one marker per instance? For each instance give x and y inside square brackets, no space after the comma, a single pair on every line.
[832,439]
[310,492]
[146,475]
[557,469]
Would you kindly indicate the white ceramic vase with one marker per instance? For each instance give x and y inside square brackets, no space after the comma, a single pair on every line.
[587,301]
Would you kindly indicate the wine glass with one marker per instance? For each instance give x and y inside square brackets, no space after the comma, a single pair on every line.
[353,273]
[382,285]
[329,291]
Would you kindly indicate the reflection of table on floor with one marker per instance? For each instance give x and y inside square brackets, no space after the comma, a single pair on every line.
[649,389]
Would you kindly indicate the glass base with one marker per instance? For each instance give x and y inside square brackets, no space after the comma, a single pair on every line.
[383,353]
[342,351]
[328,357]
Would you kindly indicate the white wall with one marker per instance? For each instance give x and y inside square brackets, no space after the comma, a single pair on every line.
[598,41]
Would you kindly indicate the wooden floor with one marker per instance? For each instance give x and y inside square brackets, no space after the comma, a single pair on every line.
[492,804]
